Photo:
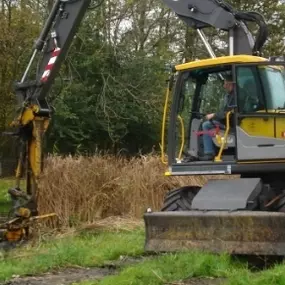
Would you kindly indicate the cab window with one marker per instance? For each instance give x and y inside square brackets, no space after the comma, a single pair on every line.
[249,90]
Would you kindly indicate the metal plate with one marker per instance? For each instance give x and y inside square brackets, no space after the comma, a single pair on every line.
[233,194]
[241,232]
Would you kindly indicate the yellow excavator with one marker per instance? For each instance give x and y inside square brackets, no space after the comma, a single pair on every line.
[244,215]
[227,118]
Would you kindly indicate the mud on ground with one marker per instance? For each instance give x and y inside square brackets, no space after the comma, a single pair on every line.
[76,274]
[200,281]
[67,276]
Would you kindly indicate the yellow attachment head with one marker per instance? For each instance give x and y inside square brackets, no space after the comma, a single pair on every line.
[24,213]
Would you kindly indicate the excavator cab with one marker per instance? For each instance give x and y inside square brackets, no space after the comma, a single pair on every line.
[250,130]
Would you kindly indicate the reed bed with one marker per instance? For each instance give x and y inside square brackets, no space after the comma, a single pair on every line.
[87,189]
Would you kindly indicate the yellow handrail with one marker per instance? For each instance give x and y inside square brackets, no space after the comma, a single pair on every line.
[225,138]
[162,145]
[182,137]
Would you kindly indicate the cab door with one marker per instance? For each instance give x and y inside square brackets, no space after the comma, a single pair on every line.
[257,119]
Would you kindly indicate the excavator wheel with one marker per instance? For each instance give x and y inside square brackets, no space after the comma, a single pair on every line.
[180,199]
[281,205]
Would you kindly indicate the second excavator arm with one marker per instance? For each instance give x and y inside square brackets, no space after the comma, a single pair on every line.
[200,14]
[34,112]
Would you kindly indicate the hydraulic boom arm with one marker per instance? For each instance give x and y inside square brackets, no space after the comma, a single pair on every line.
[34,110]
[199,14]
[53,44]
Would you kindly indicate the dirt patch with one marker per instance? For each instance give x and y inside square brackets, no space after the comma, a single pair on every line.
[73,275]
[200,281]
[67,276]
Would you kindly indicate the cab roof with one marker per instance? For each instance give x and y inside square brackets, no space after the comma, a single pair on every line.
[219,60]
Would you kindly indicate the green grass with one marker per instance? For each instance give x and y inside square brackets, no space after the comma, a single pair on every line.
[174,267]
[274,276]
[94,249]
[5,202]
[184,266]
[84,250]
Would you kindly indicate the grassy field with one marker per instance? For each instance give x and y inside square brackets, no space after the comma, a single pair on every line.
[100,248]
[80,250]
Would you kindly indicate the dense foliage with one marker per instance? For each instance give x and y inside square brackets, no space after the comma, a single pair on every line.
[109,94]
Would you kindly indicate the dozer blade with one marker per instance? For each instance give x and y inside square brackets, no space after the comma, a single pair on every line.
[239,232]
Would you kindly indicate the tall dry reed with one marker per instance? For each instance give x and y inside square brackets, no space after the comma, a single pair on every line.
[84,189]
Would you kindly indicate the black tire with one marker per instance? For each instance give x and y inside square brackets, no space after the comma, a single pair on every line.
[180,199]
[281,205]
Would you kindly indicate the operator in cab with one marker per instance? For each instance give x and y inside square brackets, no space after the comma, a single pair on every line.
[218,118]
